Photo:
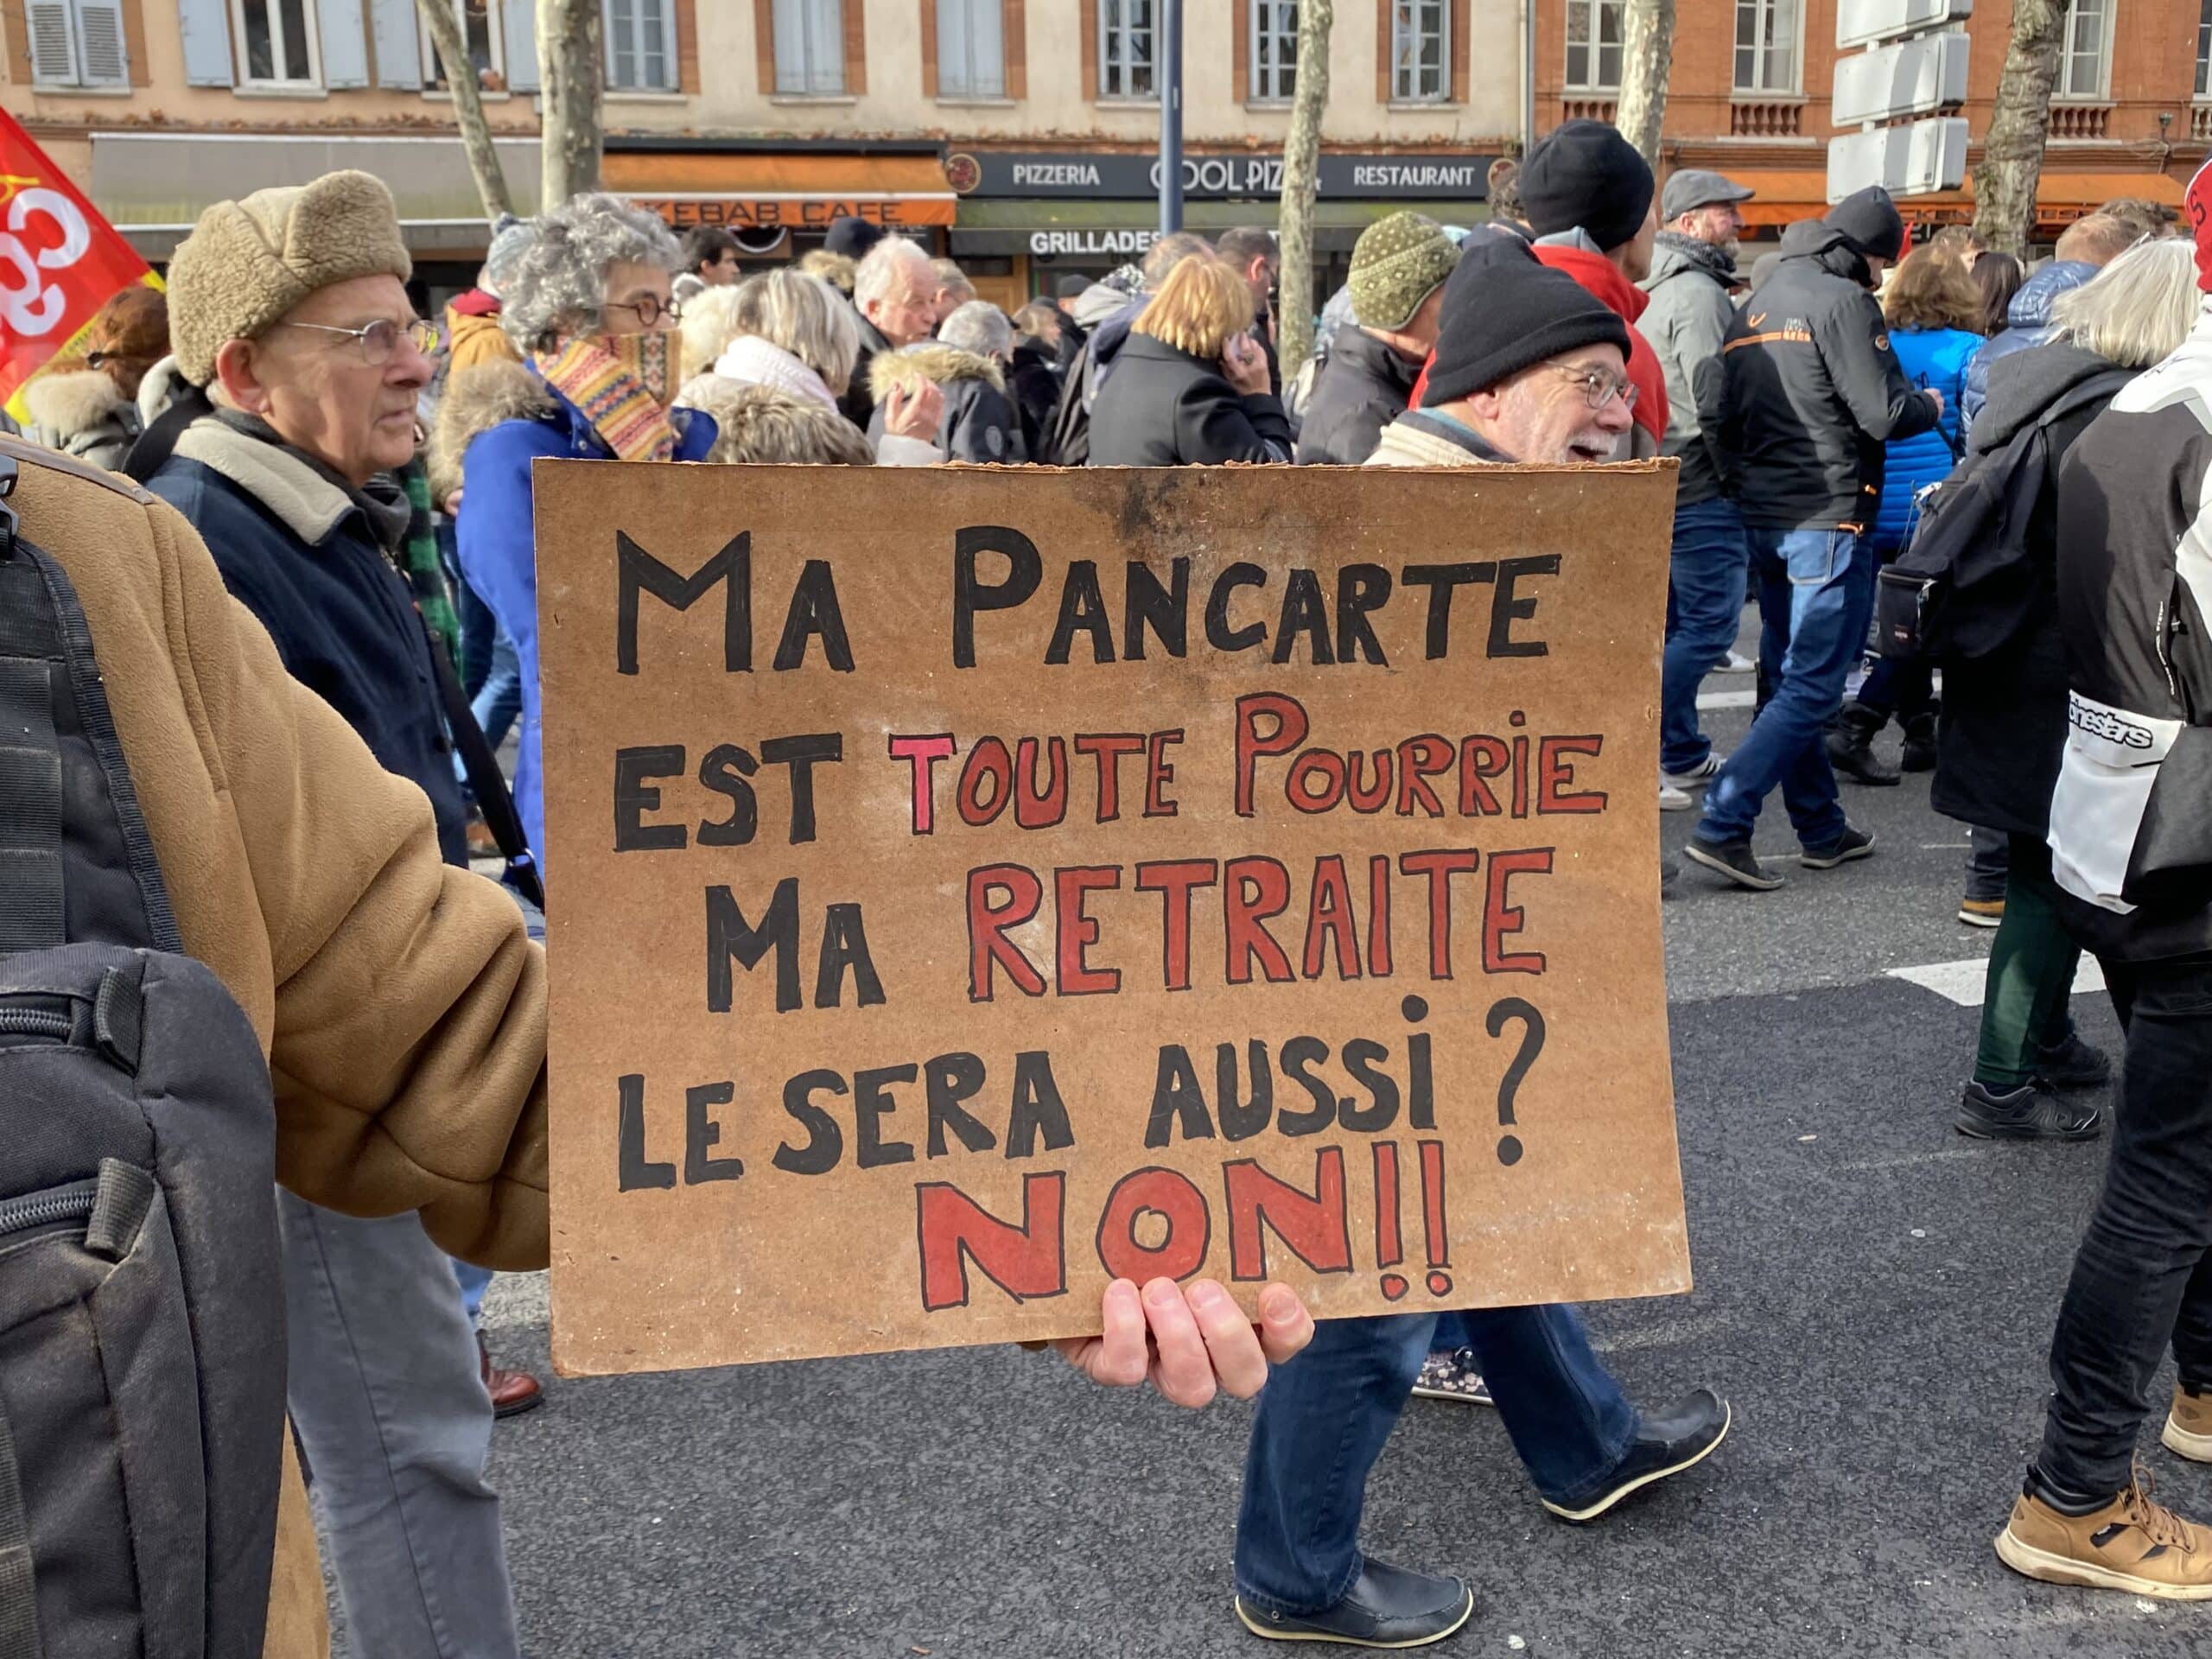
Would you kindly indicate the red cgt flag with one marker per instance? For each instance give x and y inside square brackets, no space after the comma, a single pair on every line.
[60,261]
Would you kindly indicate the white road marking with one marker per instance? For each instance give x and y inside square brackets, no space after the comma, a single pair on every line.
[1962,982]
[1743,699]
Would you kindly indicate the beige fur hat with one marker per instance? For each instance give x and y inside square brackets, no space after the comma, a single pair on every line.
[247,263]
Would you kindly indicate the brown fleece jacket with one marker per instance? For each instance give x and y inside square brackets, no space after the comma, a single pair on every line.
[400,1001]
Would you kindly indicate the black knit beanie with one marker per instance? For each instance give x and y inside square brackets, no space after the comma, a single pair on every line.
[1504,311]
[1585,174]
[1870,222]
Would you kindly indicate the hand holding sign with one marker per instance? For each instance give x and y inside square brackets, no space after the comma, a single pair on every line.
[1189,1344]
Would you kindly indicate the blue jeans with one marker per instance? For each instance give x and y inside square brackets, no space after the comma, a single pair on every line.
[474,1282]
[498,700]
[1324,1417]
[1705,602]
[1816,594]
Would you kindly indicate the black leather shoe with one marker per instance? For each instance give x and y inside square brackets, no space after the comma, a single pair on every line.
[1386,1607]
[1731,859]
[2031,1112]
[2074,1064]
[1667,1442]
[1851,749]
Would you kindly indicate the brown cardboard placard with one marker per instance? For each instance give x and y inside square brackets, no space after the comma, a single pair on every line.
[963,881]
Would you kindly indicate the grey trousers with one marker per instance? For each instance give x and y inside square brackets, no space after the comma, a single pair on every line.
[385,1391]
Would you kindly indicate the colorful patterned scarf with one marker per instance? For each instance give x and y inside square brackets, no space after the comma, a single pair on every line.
[621,383]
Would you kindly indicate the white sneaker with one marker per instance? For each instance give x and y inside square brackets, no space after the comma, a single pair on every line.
[1698,775]
[1737,663]
[1674,800]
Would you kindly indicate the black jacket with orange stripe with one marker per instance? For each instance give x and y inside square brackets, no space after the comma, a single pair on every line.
[1813,391]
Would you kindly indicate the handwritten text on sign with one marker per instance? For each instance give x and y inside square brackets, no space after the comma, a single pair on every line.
[967,886]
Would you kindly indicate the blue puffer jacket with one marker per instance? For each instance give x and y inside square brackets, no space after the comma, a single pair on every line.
[2028,322]
[492,422]
[1933,359]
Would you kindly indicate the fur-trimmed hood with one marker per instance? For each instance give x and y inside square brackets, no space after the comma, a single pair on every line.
[930,360]
[66,407]
[476,400]
[758,422]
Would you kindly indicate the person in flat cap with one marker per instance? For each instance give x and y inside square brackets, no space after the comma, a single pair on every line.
[1693,273]
[289,307]
[1591,200]
[1398,269]
[1813,393]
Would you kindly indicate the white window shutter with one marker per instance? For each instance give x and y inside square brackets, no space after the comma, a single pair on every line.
[399,54]
[104,57]
[344,44]
[619,24]
[825,47]
[205,29]
[987,46]
[53,42]
[955,51]
[518,18]
[789,24]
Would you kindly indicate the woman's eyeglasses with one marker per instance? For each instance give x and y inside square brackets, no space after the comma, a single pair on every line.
[649,310]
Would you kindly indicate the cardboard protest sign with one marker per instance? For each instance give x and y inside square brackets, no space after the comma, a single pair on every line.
[967,885]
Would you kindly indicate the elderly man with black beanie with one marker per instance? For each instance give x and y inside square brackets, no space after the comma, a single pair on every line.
[1594,206]
[1812,392]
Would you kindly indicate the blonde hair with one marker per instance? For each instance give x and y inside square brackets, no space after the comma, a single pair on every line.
[710,322]
[1199,309]
[835,269]
[951,279]
[1932,291]
[2139,307]
[806,317]
[755,423]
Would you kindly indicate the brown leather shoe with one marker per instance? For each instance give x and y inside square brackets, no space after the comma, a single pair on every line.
[2188,1432]
[512,1392]
[2130,1544]
[482,843]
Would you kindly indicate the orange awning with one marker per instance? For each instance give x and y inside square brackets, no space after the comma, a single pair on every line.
[793,190]
[1785,198]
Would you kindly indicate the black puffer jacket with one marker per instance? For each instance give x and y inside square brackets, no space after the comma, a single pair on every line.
[2004,720]
[1362,387]
[981,422]
[1813,391]
[1165,408]
[1033,382]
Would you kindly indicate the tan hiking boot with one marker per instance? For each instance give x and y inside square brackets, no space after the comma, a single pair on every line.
[2189,1426]
[2131,1544]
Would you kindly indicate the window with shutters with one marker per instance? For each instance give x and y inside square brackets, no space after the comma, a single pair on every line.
[1766,46]
[2204,48]
[810,48]
[641,45]
[480,28]
[2085,50]
[1127,44]
[1273,24]
[1421,51]
[276,43]
[76,43]
[1593,46]
[970,48]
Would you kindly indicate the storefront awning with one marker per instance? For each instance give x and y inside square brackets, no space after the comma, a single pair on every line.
[1045,227]
[2061,197]
[796,190]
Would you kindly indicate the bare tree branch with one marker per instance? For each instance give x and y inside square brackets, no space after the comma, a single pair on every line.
[1647,51]
[2011,156]
[571,67]
[1301,161]
[444,23]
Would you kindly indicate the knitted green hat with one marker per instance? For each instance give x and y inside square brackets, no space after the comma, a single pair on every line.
[1397,263]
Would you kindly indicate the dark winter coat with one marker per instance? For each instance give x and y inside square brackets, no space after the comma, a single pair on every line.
[1165,408]
[82,414]
[1813,391]
[1033,380]
[1929,357]
[2028,320]
[307,556]
[979,421]
[2004,719]
[1687,323]
[858,404]
[1363,387]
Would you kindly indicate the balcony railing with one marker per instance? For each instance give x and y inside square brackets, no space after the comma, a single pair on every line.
[1588,106]
[1766,120]
[2200,122]
[2078,121]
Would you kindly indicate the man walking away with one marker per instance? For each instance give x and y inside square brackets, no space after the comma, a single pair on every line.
[2132,855]
[1692,271]
[1398,268]
[1527,367]
[1813,392]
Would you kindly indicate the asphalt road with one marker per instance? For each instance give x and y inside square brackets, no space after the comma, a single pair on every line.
[1874,1293]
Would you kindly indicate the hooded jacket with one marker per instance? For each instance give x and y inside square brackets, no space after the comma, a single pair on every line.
[1363,387]
[1574,253]
[1686,322]
[2028,320]
[473,336]
[2004,715]
[492,423]
[82,414]
[399,1001]
[1933,358]
[1813,391]
[1167,408]
[2130,842]
[981,422]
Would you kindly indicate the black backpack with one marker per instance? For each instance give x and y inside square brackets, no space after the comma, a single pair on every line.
[142,1306]
[1963,587]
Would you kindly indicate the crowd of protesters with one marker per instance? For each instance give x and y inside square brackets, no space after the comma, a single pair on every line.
[361,477]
